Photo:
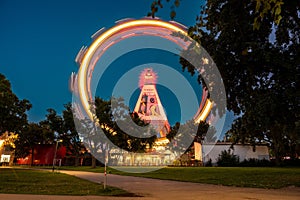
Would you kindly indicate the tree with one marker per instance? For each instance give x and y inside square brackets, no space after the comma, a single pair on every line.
[109,117]
[189,129]
[54,122]
[92,140]
[31,135]
[270,121]
[255,46]
[65,130]
[228,159]
[267,7]
[7,143]
[263,8]
[70,135]
[159,4]
[261,76]
[110,126]
[8,140]
[13,115]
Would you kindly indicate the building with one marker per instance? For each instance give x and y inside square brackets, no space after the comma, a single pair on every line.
[210,152]
[7,148]
[149,107]
[43,154]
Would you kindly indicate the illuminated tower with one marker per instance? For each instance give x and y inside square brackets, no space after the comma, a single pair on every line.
[148,106]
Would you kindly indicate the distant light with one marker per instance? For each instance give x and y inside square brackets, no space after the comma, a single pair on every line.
[1,143]
[205,61]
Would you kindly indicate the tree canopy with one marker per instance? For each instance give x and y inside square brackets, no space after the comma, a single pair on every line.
[31,135]
[110,119]
[255,45]
[64,129]
[13,115]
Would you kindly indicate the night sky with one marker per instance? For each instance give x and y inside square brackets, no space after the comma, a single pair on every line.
[40,40]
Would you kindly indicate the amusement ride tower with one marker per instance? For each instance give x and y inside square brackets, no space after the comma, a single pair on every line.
[149,107]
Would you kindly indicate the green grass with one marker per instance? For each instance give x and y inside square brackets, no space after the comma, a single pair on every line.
[24,181]
[264,177]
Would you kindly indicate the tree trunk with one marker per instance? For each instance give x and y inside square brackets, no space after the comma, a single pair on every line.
[32,156]
[76,160]
[277,152]
[277,157]
[12,157]
[93,162]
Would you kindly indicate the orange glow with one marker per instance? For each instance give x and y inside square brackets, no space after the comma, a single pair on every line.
[205,111]
[1,143]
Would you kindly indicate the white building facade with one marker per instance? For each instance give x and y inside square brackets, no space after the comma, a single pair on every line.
[244,152]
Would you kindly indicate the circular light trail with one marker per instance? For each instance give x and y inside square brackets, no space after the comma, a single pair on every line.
[129,29]
[165,36]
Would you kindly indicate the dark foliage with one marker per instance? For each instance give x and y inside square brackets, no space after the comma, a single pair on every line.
[227,159]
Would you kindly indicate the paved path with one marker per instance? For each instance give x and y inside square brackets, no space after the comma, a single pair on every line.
[164,189]
[154,189]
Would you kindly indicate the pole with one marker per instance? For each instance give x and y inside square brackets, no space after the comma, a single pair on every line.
[105,174]
[54,158]
[104,185]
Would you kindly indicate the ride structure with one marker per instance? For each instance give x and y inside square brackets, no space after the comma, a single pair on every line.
[148,107]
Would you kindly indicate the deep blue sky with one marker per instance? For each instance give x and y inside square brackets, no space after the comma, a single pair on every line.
[40,40]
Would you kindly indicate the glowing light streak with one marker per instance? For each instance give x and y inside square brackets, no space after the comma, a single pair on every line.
[90,52]
[84,85]
[205,111]
[80,54]
[95,35]
[123,20]
[128,35]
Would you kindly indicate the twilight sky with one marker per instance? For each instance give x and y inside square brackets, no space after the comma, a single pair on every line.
[40,40]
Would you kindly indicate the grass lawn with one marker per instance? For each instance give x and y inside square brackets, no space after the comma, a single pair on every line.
[23,181]
[264,177]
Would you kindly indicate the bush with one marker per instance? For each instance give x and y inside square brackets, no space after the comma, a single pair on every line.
[208,163]
[228,159]
[290,163]
[252,162]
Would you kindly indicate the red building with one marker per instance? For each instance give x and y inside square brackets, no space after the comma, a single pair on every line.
[43,155]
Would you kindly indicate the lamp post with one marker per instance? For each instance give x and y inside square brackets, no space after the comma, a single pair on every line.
[54,158]
[105,165]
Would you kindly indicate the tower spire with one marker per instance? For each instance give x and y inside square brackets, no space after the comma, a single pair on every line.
[148,106]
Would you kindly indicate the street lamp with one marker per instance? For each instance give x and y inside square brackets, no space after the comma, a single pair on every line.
[54,159]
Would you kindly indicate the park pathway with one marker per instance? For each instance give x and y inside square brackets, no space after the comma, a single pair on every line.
[164,189]
[155,189]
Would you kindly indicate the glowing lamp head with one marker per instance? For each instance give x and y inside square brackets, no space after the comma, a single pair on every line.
[147,77]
